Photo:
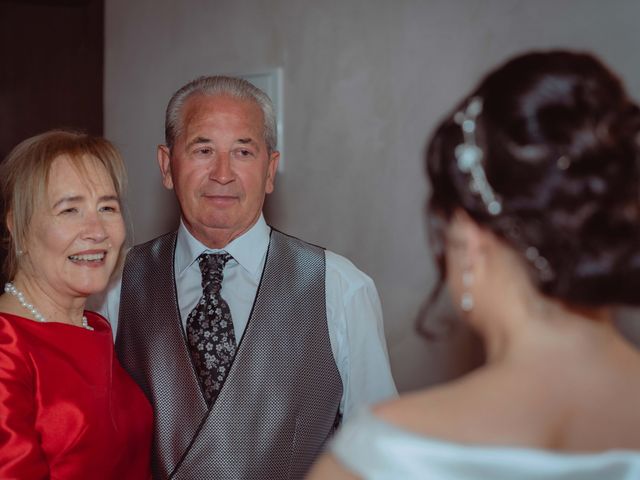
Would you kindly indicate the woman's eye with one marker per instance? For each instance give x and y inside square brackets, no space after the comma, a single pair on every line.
[69,210]
[109,209]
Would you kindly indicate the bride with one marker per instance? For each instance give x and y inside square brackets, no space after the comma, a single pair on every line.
[535,221]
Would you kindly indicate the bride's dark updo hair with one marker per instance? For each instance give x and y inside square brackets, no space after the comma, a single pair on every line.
[560,149]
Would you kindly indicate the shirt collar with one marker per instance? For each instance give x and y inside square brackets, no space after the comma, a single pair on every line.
[249,249]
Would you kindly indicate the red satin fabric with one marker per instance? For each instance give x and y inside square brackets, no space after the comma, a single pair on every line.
[67,408]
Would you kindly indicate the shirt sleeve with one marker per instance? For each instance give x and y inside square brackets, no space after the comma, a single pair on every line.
[356,330]
[21,456]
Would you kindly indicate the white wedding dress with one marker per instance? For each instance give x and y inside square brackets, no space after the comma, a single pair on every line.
[377,450]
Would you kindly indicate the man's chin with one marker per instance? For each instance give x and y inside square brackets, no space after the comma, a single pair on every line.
[214,233]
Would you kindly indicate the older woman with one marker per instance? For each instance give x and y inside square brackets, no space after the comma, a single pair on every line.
[535,217]
[67,408]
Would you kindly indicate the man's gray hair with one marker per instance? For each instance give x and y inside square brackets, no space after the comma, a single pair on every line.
[220,85]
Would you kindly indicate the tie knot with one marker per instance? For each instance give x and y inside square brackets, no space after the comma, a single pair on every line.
[211,268]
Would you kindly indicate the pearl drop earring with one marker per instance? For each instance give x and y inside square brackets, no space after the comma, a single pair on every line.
[466,301]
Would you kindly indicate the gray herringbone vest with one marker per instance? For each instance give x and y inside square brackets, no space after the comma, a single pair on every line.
[280,401]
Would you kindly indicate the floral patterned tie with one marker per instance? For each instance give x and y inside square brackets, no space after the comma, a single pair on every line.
[210,334]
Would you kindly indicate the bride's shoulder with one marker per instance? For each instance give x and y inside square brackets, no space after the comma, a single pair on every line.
[482,407]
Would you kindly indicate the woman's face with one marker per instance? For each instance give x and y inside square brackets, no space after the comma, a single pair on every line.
[75,235]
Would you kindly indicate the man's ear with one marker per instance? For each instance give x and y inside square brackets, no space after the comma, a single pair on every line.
[272,168]
[164,162]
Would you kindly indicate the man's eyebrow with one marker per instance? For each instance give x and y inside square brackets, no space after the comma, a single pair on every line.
[199,140]
[247,140]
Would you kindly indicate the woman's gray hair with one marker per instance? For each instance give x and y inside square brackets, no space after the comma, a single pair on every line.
[220,85]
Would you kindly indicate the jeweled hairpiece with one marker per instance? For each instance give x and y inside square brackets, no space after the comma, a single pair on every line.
[469,156]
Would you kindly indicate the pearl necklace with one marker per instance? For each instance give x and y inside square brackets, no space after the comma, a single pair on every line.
[11,289]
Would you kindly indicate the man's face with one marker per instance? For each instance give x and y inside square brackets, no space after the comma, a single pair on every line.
[219,167]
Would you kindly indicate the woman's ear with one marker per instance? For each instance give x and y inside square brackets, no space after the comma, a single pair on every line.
[466,234]
[9,222]
[11,228]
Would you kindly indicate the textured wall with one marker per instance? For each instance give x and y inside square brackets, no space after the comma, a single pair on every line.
[364,81]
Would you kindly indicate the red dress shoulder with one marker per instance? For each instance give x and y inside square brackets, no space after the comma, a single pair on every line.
[68,410]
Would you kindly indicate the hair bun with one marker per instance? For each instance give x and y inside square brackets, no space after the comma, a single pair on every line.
[560,141]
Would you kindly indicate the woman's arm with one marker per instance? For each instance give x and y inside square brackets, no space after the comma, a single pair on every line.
[21,455]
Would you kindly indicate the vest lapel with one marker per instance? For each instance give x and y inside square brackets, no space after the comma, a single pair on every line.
[164,370]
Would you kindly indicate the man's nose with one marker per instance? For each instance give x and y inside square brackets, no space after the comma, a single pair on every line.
[221,170]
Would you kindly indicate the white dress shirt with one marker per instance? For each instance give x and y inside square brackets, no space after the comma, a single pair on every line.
[354,315]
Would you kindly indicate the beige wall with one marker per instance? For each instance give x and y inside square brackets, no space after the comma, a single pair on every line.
[364,81]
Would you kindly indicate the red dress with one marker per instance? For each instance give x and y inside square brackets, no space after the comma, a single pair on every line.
[68,410]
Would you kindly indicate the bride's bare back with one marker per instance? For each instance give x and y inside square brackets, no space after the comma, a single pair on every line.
[579,397]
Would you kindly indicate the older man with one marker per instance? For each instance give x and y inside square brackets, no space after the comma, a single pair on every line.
[251,344]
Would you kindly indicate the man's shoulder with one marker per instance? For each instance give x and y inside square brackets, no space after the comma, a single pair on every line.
[168,237]
[152,250]
[340,270]
[343,271]
[297,240]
